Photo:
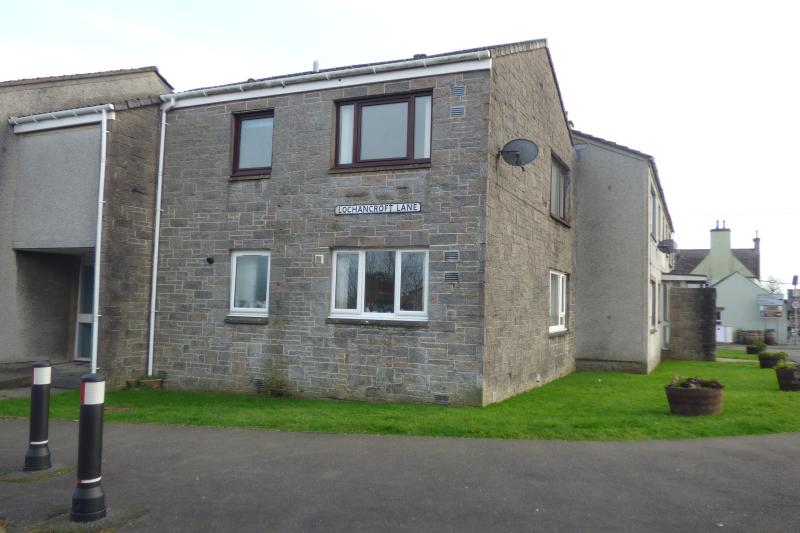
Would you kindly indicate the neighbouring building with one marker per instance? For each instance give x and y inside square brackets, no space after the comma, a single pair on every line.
[354,233]
[624,249]
[734,273]
[51,161]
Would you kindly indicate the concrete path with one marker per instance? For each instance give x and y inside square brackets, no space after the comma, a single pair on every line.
[165,478]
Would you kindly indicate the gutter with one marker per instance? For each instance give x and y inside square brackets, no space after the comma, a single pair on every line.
[62,119]
[428,66]
[157,235]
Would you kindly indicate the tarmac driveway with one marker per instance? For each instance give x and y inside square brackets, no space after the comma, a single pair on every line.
[167,478]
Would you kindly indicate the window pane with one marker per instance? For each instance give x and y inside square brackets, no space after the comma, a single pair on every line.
[84,341]
[379,282]
[554,299]
[255,143]
[251,282]
[422,127]
[346,113]
[346,281]
[384,131]
[87,289]
[555,190]
[412,281]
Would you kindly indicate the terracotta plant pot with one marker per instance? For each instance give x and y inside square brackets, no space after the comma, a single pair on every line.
[788,378]
[694,402]
[151,383]
[768,361]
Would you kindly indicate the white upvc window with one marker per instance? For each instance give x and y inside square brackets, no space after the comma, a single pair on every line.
[386,284]
[250,283]
[558,301]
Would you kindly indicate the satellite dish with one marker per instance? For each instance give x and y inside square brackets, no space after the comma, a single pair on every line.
[668,246]
[519,152]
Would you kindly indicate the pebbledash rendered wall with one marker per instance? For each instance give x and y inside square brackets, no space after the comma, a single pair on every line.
[301,351]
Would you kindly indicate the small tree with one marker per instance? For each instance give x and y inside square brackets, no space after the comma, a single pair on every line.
[773,285]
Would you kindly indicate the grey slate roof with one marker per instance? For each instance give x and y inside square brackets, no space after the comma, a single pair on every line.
[69,77]
[687,260]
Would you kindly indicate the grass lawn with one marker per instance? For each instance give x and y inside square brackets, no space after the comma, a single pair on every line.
[735,353]
[582,406]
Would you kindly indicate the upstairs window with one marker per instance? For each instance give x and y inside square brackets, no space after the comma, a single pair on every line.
[559,190]
[384,131]
[252,144]
[250,283]
[380,284]
[558,301]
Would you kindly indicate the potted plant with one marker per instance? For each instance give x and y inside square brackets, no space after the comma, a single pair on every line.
[694,396]
[771,359]
[757,347]
[739,336]
[788,374]
[150,382]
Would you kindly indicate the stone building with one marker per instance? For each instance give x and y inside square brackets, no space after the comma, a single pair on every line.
[625,248]
[353,232]
[51,161]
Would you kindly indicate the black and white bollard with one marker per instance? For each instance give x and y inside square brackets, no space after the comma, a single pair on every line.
[38,455]
[88,500]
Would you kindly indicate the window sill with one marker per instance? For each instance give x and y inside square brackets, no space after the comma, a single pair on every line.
[378,322]
[560,220]
[377,168]
[559,333]
[239,319]
[250,177]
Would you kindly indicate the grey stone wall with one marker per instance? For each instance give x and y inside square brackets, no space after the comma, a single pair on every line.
[523,242]
[692,315]
[131,170]
[291,213]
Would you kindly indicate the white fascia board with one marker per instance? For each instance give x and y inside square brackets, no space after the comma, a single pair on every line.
[333,83]
[62,119]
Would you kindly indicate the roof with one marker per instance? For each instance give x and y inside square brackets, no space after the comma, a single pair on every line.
[650,159]
[687,260]
[540,43]
[101,74]
[749,258]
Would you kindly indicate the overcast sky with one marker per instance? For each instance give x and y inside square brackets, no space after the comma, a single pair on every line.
[710,88]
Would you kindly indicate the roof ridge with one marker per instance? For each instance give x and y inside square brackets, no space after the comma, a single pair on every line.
[86,75]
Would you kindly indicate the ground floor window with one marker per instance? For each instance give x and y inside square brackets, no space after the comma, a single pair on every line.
[558,301]
[380,284]
[250,283]
[653,304]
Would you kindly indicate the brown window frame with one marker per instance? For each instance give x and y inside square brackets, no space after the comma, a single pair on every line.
[238,118]
[565,190]
[358,104]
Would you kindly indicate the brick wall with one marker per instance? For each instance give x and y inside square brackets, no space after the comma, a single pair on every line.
[291,213]
[523,241]
[131,169]
[692,315]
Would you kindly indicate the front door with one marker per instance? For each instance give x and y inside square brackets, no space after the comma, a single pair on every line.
[83,332]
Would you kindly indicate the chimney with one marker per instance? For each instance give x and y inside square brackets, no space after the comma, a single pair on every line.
[757,250]
[720,240]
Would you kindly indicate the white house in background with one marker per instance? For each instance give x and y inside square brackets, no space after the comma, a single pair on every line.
[623,251]
[741,303]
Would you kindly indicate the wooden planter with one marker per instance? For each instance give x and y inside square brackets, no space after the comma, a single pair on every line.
[753,350]
[769,361]
[788,378]
[694,402]
[150,383]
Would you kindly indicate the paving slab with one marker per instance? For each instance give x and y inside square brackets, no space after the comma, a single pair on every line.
[170,478]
